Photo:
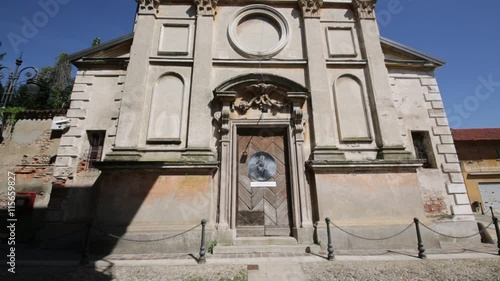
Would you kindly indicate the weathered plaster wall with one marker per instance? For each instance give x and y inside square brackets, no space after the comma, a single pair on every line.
[28,149]
[420,108]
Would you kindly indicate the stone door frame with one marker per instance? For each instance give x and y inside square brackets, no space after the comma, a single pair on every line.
[294,119]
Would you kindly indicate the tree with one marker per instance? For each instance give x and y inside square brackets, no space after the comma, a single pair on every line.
[55,84]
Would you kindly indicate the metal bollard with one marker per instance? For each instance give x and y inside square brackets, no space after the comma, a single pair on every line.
[421,249]
[202,258]
[84,260]
[497,230]
[482,208]
[331,255]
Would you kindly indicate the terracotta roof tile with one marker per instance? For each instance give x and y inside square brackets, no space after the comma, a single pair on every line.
[476,134]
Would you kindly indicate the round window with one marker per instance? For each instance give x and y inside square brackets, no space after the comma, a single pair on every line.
[258,31]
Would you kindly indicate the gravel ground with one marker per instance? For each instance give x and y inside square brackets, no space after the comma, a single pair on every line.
[470,269]
[129,273]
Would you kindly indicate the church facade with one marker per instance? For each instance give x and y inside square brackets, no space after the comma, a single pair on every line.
[263,117]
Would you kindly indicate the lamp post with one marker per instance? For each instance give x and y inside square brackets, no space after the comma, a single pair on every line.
[13,77]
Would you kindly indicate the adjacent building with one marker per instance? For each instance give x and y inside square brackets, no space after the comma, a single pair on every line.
[479,154]
[263,117]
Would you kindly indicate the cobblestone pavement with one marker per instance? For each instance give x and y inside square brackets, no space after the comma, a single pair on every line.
[414,270]
[471,269]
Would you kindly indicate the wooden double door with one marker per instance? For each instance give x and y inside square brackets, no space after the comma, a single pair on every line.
[263,201]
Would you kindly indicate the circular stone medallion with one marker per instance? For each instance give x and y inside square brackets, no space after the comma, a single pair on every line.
[258,31]
[262,166]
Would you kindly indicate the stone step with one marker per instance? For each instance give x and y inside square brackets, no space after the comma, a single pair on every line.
[248,249]
[264,241]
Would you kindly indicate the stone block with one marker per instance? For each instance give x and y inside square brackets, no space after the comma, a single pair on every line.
[68,151]
[461,210]
[462,199]
[433,113]
[451,168]
[437,105]
[456,188]
[80,96]
[441,131]
[432,97]
[446,139]
[456,177]
[428,82]
[84,79]
[442,121]
[451,158]
[76,113]
[446,149]
[79,88]
[67,141]
[74,132]
[433,88]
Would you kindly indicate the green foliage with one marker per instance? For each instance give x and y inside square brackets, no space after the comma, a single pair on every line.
[212,246]
[55,83]
[10,113]
[96,42]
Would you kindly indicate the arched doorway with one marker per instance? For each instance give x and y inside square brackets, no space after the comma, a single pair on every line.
[263,191]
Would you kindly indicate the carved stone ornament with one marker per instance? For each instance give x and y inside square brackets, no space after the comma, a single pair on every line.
[310,8]
[261,98]
[148,5]
[365,9]
[206,7]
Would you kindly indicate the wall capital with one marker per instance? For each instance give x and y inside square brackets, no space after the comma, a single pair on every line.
[310,8]
[205,7]
[148,6]
[364,9]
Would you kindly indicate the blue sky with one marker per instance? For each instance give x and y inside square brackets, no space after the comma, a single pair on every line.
[466,36]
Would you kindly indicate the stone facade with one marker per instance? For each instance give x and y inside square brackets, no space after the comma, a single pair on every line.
[177,98]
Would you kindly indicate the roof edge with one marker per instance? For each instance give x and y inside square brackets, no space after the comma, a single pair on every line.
[404,48]
[78,55]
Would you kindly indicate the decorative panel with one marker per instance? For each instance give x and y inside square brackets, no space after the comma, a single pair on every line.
[165,121]
[340,42]
[174,39]
[351,110]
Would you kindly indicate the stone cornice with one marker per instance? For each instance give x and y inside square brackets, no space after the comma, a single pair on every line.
[364,9]
[148,6]
[310,8]
[205,7]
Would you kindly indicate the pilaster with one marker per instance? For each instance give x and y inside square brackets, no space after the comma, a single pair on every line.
[200,126]
[388,137]
[134,92]
[325,138]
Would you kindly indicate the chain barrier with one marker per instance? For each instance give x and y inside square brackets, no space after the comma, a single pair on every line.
[372,239]
[457,237]
[144,241]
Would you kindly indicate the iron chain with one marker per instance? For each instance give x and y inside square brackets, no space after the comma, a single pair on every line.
[145,241]
[372,239]
[457,237]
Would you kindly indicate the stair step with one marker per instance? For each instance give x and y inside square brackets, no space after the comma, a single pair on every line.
[247,249]
[264,241]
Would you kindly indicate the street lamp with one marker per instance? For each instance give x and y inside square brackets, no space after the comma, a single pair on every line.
[32,83]
[13,77]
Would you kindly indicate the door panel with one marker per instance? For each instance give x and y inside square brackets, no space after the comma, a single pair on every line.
[263,211]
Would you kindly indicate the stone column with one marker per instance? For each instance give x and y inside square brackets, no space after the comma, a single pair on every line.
[129,129]
[200,126]
[325,138]
[304,230]
[227,99]
[387,134]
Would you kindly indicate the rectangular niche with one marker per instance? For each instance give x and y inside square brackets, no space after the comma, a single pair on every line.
[174,39]
[341,42]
